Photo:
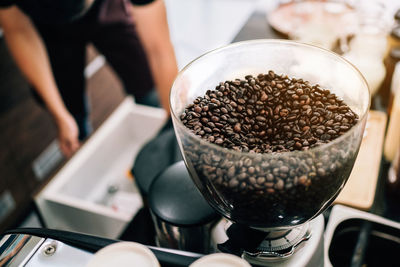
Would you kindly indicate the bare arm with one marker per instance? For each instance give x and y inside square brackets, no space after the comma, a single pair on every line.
[152,27]
[31,57]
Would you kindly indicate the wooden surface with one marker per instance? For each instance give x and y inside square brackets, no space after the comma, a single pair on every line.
[359,191]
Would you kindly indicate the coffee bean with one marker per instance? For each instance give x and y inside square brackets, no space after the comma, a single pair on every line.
[207,130]
[284,169]
[284,112]
[321,172]
[233,183]
[211,124]
[344,127]
[325,137]
[332,107]
[241,101]
[279,184]
[237,127]
[314,120]
[264,96]
[215,119]
[204,120]
[291,117]
[302,123]
[231,172]
[251,170]
[219,141]
[303,180]
[343,109]
[242,176]
[298,145]
[197,109]
[332,132]
[261,118]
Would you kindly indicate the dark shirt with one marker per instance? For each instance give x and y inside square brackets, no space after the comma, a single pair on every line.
[56,11]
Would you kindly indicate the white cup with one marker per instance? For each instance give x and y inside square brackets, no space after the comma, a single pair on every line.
[124,254]
[220,260]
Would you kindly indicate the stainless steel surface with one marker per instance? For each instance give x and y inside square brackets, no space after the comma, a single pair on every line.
[50,249]
[20,250]
[307,249]
[346,219]
[281,244]
[16,250]
[53,253]
[195,239]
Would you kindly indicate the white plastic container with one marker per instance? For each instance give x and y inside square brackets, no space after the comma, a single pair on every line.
[94,193]
[124,254]
[220,260]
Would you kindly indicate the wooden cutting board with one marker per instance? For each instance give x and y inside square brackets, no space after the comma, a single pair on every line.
[359,191]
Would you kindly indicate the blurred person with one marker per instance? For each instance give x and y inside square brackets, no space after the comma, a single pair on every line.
[48,39]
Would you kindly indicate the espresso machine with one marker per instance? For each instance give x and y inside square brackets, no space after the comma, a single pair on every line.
[272,203]
[41,247]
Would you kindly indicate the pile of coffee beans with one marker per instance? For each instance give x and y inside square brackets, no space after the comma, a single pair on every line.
[270,114]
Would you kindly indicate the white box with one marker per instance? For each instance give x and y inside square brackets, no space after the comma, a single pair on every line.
[78,197]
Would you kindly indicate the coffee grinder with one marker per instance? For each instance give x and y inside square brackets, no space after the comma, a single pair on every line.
[276,221]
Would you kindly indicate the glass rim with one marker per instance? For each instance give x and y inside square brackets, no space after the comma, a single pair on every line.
[362,117]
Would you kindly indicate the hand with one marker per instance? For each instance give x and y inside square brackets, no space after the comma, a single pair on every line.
[68,133]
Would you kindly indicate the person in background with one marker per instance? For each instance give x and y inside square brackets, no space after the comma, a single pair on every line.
[48,41]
